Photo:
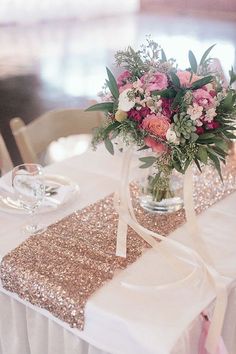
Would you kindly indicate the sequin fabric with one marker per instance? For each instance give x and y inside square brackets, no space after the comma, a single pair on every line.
[61,268]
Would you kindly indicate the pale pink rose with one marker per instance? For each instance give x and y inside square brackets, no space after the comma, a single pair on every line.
[184,78]
[157,124]
[125,87]
[157,81]
[155,145]
[123,78]
[203,98]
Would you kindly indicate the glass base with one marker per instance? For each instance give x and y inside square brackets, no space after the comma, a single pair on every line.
[33,229]
[164,206]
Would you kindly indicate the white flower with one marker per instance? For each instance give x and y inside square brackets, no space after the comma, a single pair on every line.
[171,136]
[125,100]
[210,114]
[195,111]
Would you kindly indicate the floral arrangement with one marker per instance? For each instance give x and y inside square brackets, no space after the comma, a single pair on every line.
[184,116]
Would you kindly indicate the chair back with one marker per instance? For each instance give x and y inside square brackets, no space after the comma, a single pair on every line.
[5,160]
[32,139]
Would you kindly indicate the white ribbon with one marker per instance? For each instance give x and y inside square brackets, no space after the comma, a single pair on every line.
[204,263]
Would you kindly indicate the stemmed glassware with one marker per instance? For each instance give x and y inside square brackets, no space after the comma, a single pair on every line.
[29,187]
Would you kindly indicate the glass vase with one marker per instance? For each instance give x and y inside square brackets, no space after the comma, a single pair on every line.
[161,191]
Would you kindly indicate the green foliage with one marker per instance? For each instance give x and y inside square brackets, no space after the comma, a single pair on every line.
[205,55]
[232,76]
[201,82]
[103,107]
[112,85]
[147,161]
[192,61]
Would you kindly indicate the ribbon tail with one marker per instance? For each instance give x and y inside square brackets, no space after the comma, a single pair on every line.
[214,333]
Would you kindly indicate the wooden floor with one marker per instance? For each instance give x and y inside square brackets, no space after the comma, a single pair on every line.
[60,65]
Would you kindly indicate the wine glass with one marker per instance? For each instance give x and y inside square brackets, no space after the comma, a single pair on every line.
[29,187]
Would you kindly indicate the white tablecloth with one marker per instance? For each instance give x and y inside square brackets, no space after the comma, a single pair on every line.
[120,320]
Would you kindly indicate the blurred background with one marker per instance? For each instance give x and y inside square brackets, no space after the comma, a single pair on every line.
[53,53]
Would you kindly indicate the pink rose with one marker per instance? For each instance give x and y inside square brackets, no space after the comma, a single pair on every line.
[157,124]
[203,98]
[123,78]
[155,145]
[125,87]
[157,81]
[184,78]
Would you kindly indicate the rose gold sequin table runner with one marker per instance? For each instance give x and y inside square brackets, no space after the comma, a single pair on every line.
[61,268]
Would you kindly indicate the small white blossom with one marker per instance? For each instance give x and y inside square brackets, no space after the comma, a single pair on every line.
[195,111]
[171,136]
[210,114]
[125,101]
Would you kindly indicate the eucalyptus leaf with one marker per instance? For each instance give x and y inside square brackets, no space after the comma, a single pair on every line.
[175,79]
[201,82]
[202,154]
[104,107]
[216,162]
[148,161]
[197,164]
[109,146]
[112,84]
[232,76]
[192,61]
[205,55]
[163,56]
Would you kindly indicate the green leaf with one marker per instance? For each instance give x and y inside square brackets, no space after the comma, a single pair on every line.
[205,55]
[202,154]
[223,145]
[232,76]
[104,107]
[112,84]
[177,99]
[174,79]
[229,135]
[110,128]
[163,56]
[177,166]
[192,61]
[145,147]
[197,164]
[201,82]
[148,161]
[168,93]
[228,102]
[206,136]
[216,162]
[109,146]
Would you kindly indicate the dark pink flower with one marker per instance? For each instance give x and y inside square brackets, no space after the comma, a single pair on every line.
[123,78]
[212,125]
[166,107]
[200,130]
[138,115]
[157,81]
[156,146]
[135,115]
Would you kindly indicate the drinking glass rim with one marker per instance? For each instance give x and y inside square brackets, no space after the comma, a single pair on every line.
[18,168]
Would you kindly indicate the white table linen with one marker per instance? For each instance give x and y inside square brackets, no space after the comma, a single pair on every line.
[120,320]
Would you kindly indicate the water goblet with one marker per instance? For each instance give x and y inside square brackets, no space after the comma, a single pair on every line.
[29,187]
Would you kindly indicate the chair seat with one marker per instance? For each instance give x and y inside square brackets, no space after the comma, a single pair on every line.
[66,147]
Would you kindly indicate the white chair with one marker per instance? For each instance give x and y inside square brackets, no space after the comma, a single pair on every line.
[5,160]
[34,138]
